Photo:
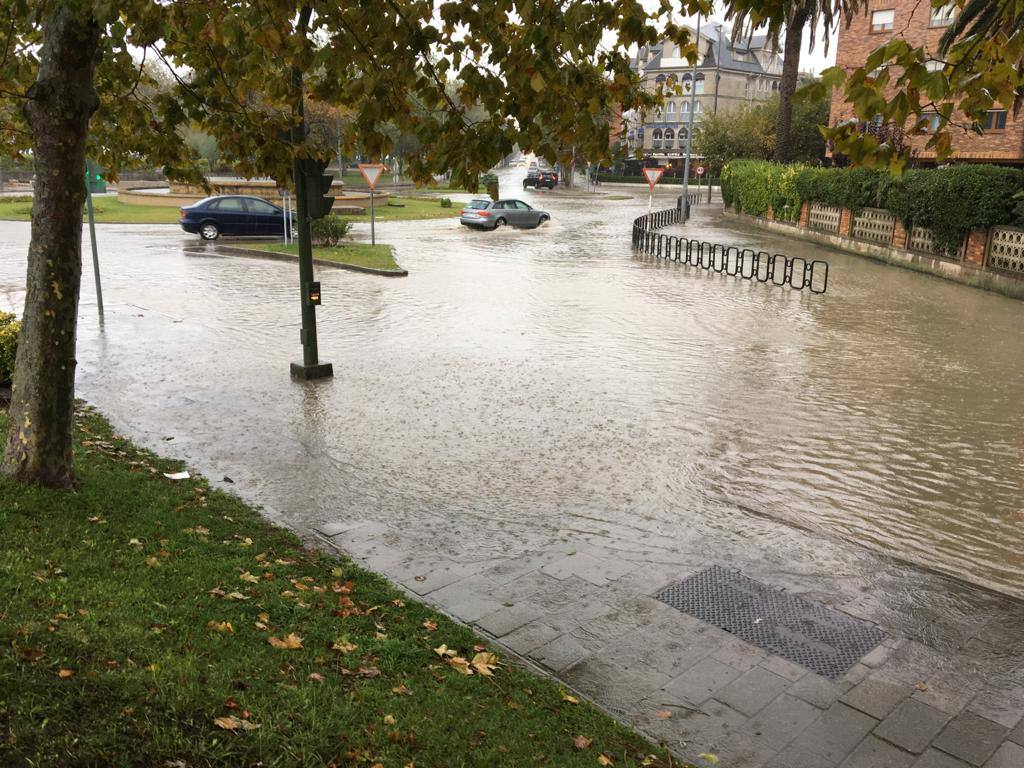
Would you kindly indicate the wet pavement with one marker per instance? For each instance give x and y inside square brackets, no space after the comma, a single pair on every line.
[537,430]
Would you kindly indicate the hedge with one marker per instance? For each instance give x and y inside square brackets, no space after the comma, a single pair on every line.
[950,201]
[753,185]
[9,328]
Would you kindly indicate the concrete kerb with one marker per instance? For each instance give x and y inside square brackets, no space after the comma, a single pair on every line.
[236,250]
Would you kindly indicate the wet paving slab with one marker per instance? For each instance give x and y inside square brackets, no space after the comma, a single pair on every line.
[537,431]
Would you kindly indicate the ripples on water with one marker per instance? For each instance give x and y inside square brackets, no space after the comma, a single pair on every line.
[520,384]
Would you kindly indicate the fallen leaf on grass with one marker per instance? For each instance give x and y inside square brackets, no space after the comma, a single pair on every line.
[430,626]
[315,677]
[389,720]
[343,646]
[232,723]
[291,642]
[604,760]
[380,636]
[581,742]
[235,596]
[221,626]
[369,672]
[134,543]
[485,663]
[64,674]
[707,757]
[402,690]
[444,650]
[570,699]
[398,602]
[152,562]
[460,665]
[30,654]
[663,714]
[246,576]
[649,760]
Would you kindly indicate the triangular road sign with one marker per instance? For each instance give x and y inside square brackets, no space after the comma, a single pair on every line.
[653,176]
[372,172]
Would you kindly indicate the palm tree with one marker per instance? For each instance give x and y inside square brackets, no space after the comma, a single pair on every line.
[820,14]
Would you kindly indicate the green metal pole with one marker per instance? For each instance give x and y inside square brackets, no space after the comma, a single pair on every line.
[92,238]
[373,236]
[311,367]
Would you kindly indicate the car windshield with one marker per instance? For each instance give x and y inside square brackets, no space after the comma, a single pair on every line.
[478,205]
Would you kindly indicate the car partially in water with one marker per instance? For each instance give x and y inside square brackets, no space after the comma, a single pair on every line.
[483,213]
[240,215]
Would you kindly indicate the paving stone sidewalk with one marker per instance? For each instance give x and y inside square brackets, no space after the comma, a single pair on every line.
[944,690]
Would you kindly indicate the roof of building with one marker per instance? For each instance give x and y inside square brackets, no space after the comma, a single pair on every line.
[722,52]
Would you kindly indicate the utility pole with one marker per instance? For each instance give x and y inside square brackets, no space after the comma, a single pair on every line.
[689,129]
[718,70]
[310,367]
[92,239]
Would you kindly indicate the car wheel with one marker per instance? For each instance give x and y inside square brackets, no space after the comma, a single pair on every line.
[542,220]
[208,231]
[499,223]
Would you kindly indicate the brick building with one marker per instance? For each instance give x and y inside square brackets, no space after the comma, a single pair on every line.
[922,25]
[729,75]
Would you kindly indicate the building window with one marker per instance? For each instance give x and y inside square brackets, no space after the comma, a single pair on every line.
[700,84]
[931,122]
[671,110]
[995,120]
[881,21]
[669,138]
[775,85]
[656,138]
[682,138]
[942,17]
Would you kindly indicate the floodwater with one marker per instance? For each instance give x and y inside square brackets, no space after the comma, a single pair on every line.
[523,385]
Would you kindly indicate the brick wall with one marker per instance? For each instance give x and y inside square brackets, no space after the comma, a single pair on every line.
[911,23]
[977,241]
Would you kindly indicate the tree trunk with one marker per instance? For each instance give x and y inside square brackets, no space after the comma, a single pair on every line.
[790,70]
[58,108]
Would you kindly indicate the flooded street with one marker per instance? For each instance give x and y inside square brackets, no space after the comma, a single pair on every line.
[520,386]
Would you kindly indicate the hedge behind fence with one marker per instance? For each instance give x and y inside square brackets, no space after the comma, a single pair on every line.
[950,201]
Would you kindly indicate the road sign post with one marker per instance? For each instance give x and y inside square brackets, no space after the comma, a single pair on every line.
[653,176]
[90,172]
[371,174]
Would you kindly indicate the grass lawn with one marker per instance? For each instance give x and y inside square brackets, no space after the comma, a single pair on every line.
[108,210]
[359,254]
[152,622]
[411,208]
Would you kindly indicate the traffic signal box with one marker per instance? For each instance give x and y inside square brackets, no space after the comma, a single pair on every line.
[318,184]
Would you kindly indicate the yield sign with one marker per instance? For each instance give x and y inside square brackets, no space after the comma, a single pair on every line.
[372,172]
[653,176]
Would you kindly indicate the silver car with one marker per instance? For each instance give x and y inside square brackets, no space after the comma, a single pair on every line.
[488,214]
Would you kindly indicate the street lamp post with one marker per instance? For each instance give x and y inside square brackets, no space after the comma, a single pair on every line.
[689,129]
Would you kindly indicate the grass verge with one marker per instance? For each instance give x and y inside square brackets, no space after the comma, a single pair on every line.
[107,210]
[357,254]
[408,208]
[152,622]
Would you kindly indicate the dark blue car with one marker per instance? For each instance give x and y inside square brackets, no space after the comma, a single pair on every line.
[232,215]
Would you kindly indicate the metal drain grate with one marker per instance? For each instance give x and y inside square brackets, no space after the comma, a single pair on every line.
[810,634]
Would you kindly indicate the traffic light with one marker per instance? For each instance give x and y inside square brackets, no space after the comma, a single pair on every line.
[318,184]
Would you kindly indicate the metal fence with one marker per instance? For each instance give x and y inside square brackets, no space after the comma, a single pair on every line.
[764,267]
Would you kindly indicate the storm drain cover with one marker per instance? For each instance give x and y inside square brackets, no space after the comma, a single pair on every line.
[810,634]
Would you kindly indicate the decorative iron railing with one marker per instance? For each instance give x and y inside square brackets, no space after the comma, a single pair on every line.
[777,269]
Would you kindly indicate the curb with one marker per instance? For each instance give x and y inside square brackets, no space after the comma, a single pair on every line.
[278,256]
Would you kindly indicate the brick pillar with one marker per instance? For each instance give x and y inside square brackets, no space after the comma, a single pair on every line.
[899,235]
[974,251]
[770,215]
[845,222]
[805,214]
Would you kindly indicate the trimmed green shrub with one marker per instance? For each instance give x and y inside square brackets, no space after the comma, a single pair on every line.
[754,185]
[950,201]
[329,231]
[9,328]
[446,202]
[954,200]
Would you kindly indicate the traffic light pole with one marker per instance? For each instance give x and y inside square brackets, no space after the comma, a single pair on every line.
[310,367]
[92,239]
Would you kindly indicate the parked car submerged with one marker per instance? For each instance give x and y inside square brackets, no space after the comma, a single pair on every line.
[232,215]
[540,180]
[488,214]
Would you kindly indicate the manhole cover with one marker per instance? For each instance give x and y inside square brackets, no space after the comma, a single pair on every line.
[813,635]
